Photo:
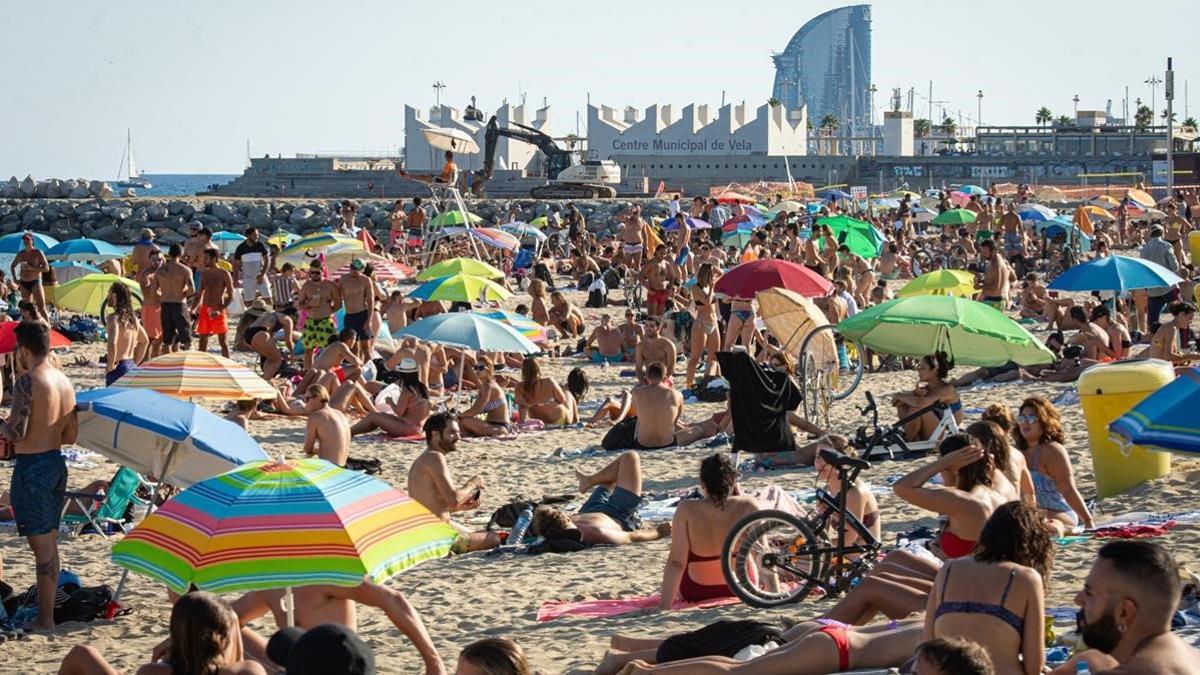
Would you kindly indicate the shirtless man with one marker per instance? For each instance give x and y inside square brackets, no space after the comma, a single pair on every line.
[395,311]
[993,289]
[41,422]
[320,298]
[1034,297]
[142,250]
[658,408]
[328,433]
[209,305]
[174,286]
[127,342]
[1014,238]
[1119,340]
[654,348]
[633,245]
[631,334]
[151,308]
[33,265]
[449,174]
[430,483]
[358,294]
[338,359]
[655,275]
[1091,337]
[605,344]
[609,516]
[194,248]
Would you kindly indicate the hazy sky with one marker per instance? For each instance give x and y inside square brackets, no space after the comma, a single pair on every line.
[194,80]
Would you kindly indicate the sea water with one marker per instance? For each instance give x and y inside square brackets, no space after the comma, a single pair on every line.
[178,184]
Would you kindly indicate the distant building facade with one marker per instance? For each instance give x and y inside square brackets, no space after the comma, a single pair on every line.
[511,154]
[827,66]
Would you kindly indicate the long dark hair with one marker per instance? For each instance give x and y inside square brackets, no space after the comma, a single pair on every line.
[412,381]
[994,442]
[1014,533]
[718,475]
[977,473]
[122,306]
[201,626]
[531,374]
[577,383]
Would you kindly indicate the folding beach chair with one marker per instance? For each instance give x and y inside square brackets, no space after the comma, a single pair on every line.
[121,492]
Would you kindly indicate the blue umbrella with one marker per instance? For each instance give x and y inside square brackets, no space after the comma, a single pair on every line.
[1116,273]
[14,243]
[523,230]
[70,270]
[672,223]
[227,241]
[85,249]
[1035,212]
[973,190]
[470,331]
[831,195]
[175,441]
[1165,419]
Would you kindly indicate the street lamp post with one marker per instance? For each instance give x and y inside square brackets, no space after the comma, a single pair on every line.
[438,86]
[1076,101]
[978,111]
[1153,81]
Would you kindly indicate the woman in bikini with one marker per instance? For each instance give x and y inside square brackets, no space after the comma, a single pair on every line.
[537,305]
[260,335]
[741,325]
[706,331]
[490,402]
[932,371]
[565,316]
[693,570]
[1039,436]
[541,398]
[409,412]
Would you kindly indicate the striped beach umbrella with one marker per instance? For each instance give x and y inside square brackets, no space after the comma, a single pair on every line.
[192,374]
[385,270]
[453,218]
[495,238]
[269,525]
[522,324]
[471,266]
[318,240]
[460,288]
[283,238]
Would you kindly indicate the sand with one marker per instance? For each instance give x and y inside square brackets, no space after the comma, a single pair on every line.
[468,597]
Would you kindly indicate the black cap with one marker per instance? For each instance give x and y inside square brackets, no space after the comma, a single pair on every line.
[327,649]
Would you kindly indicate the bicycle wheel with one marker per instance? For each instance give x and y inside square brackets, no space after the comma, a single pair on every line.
[837,374]
[772,558]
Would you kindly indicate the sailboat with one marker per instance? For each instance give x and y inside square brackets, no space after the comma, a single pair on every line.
[132,178]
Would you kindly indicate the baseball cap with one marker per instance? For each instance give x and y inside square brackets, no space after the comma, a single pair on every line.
[147,233]
[327,649]
[357,264]
[407,365]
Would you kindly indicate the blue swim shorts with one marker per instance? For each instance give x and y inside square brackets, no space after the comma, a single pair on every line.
[39,487]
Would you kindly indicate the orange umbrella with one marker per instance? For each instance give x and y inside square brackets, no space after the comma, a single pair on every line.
[1096,212]
[731,197]
[1140,197]
[1082,221]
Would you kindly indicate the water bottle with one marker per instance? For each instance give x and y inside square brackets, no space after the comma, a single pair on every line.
[518,531]
[1081,668]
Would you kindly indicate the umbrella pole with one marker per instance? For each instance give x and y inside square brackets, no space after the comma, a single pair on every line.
[462,363]
[289,604]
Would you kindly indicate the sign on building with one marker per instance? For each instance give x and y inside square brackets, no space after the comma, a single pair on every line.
[858,192]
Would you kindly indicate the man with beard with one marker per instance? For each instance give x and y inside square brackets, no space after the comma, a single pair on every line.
[1127,603]
[430,483]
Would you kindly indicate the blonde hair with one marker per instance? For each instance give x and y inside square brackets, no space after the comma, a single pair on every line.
[537,289]
[317,391]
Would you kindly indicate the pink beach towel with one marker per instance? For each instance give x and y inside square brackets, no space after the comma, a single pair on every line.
[554,609]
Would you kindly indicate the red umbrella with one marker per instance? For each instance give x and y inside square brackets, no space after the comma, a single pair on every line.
[8,338]
[745,280]
[731,197]
[385,270]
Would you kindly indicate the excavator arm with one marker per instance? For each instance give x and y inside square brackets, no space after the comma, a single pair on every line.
[557,159]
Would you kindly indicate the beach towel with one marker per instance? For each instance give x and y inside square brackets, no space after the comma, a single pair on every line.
[595,609]
[759,400]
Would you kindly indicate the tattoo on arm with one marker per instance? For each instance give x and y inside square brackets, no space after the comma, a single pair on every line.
[17,425]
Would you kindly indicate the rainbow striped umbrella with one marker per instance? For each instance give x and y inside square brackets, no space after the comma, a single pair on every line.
[192,374]
[495,238]
[520,323]
[268,525]
[385,270]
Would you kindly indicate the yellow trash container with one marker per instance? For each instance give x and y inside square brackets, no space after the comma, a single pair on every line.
[1194,245]
[1106,392]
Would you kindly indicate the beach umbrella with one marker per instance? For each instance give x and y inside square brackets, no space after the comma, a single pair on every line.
[959,199]
[453,218]
[791,317]
[1035,212]
[385,271]
[495,238]
[540,221]
[460,288]
[1064,226]
[520,323]
[1116,273]
[860,236]
[814,207]
[193,374]
[8,338]
[887,203]
[1140,197]
[460,265]
[1083,222]
[340,256]
[227,242]
[672,223]
[924,215]
[87,295]
[1049,193]
[469,330]
[524,231]
[70,270]
[959,283]
[738,238]
[787,205]
[1105,202]
[1166,419]
[834,195]
[269,525]
[15,242]
[1096,212]
[85,249]
[732,197]
[318,240]
[972,190]
[175,441]
[283,239]
[454,140]
[972,333]
[955,217]
[744,281]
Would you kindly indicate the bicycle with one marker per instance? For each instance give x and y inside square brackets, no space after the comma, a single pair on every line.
[773,558]
[875,442]
[634,291]
[830,369]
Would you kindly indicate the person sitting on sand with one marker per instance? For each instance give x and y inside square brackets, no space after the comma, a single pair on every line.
[409,412]
[328,432]
[993,437]
[932,370]
[537,303]
[490,402]
[1039,436]
[260,335]
[430,483]
[693,570]
[205,639]
[1172,340]
[338,357]
[243,411]
[565,316]
[860,499]
[657,424]
[541,398]
[347,397]
[493,656]
[609,516]
[606,344]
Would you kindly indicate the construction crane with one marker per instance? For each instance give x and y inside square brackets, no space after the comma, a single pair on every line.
[568,179]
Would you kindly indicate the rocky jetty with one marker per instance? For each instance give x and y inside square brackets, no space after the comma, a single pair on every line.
[120,220]
[55,188]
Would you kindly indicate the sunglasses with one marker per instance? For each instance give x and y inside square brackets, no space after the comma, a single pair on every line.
[1026,419]
[480,368]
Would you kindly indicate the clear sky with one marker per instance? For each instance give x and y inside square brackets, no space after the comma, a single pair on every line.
[194,80]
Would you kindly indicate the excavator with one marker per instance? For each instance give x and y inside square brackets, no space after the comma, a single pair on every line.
[568,180]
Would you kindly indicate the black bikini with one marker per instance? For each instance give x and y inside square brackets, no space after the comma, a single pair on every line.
[998,611]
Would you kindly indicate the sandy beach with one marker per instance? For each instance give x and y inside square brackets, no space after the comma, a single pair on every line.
[464,598]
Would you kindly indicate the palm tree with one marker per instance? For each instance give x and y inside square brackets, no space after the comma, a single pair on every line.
[949,126]
[830,124]
[1174,116]
[1143,118]
[1063,121]
[1191,124]
[922,127]
[1043,116]
[772,101]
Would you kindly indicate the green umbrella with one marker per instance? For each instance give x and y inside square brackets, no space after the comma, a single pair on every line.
[972,333]
[452,219]
[860,236]
[955,217]
[738,238]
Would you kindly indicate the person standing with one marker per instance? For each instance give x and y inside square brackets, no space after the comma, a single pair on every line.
[193,250]
[126,338]
[42,420]
[319,298]
[142,250]
[358,294]
[151,309]
[397,226]
[1158,251]
[33,265]
[210,303]
[174,285]
[251,260]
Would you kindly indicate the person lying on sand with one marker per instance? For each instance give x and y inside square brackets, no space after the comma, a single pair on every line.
[430,483]
[347,397]
[609,516]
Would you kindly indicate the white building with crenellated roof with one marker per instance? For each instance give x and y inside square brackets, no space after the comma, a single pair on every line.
[510,154]
[733,130]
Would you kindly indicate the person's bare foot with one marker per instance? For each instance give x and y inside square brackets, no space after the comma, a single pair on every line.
[584,482]
[612,663]
[636,668]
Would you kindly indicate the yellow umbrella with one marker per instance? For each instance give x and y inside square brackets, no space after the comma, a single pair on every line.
[1140,197]
[192,374]
[460,265]
[791,317]
[1095,212]
[340,256]
[1106,201]
[959,283]
[1083,222]
[86,295]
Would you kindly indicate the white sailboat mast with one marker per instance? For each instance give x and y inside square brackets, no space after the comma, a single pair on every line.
[133,172]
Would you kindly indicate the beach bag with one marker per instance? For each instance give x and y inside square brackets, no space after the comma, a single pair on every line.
[84,604]
[713,390]
[367,466]
[723,638]
[622,435]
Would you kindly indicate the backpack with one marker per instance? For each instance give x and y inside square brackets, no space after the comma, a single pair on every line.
[84,604]
[506,516]
[723,638]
